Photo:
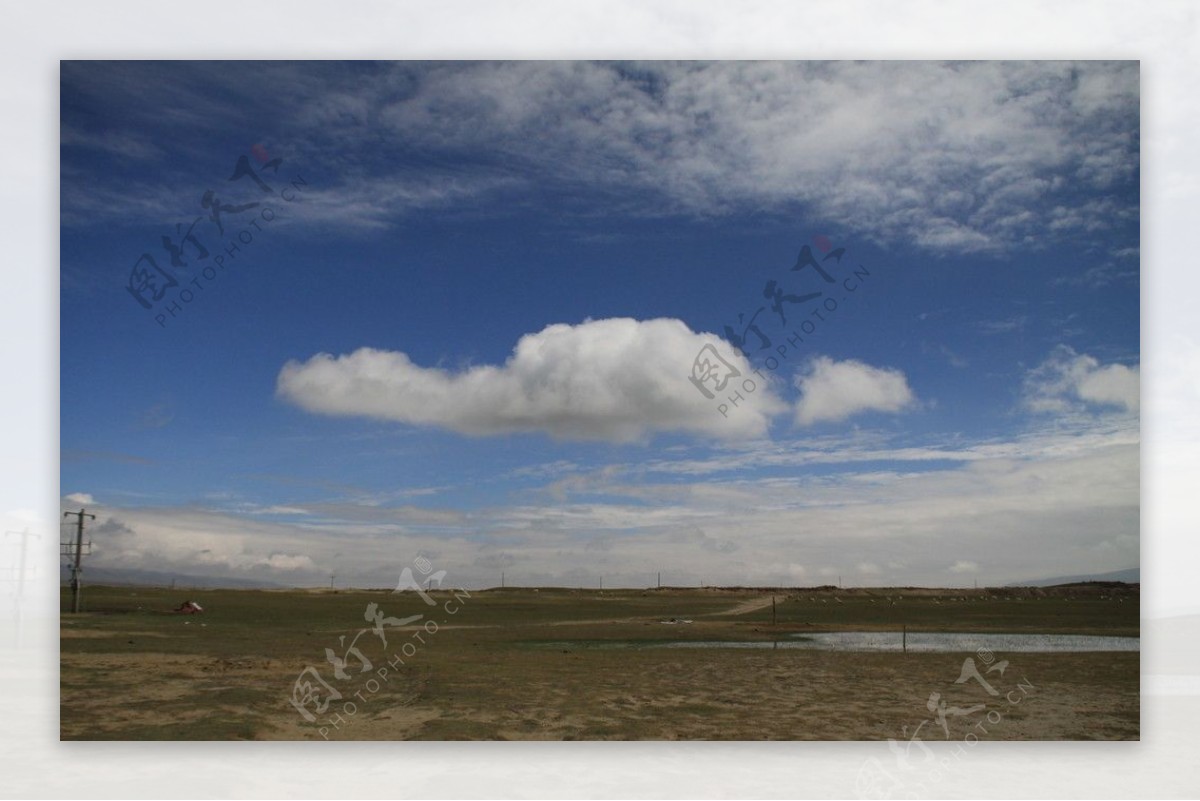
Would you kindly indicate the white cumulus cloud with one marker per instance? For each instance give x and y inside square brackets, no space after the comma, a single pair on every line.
[832,391]
[615,379]
[1068,381]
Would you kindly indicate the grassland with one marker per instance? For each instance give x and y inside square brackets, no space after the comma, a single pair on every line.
[585,664]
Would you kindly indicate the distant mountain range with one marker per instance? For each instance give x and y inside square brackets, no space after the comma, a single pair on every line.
[157,578]
[1132,575]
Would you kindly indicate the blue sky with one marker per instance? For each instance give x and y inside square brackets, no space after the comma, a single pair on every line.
[467,329]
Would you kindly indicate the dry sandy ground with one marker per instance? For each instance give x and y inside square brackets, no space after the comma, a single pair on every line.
[628,694]
[519,681]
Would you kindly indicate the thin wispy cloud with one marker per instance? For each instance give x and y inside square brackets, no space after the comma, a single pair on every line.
[970,146]
[1006,326]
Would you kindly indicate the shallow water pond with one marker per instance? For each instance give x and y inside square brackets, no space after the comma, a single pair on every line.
[935,642]
[883,641]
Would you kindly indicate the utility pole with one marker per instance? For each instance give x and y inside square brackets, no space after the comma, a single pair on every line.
[77,567]
[24,535]
[660,579]
[502,579]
